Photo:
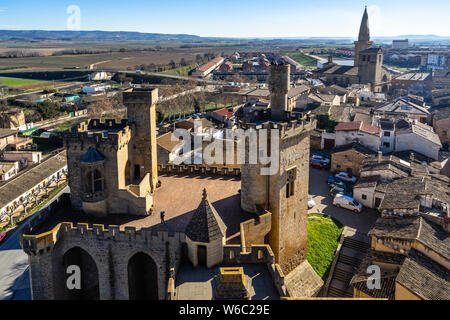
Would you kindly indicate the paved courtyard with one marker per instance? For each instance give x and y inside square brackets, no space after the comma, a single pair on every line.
[319,191]
[195,283]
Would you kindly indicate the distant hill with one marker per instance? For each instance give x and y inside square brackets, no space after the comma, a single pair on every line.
[66,35]
[24,35]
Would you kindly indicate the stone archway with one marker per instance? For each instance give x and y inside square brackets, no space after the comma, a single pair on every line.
[89,275]
[142,277]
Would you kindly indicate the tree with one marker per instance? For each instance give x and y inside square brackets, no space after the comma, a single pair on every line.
[48,109]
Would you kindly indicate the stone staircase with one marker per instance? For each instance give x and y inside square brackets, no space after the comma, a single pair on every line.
[351,253]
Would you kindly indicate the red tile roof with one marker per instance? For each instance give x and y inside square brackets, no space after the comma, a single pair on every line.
[357,126]
[348,126]
[367,128]
[225,112]
[210,64]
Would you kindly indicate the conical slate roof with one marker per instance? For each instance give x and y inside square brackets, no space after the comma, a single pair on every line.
[92,155]
[206,224]
[364,33]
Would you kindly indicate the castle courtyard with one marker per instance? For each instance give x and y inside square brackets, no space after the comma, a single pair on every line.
[178,197]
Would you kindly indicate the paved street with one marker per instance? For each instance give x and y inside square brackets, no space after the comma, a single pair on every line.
[14,277]
[319,191]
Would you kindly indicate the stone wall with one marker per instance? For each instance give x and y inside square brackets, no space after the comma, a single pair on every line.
[350,161]
[253,231]
[111,249]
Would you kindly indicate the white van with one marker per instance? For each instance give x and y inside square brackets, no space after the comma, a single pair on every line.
[347,202]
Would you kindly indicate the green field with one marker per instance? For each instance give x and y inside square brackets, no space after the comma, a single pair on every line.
[323,240]
[17,83]
[303,59]
[182,71]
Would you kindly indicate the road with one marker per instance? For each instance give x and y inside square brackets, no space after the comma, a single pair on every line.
[197,89]
[319,191]
[14,277]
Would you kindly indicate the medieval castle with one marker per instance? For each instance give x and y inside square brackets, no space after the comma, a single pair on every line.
[129,229]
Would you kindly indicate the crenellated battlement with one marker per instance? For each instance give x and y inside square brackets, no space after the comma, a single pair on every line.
[94,131]
[291,127]
[34,244]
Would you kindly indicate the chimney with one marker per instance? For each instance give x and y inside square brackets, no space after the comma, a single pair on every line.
[330,59]
[411,157]
[380,156]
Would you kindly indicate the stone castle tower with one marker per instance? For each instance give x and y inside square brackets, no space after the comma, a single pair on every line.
[279,84]
[284,193]
[141,113]
[112,164]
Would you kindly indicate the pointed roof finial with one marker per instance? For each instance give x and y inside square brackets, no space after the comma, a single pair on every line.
[205,194]
[364,33]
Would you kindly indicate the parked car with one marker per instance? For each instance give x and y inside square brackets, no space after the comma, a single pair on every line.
[317,164]
[337,190]
[332,179]
[339,184]
[311,203]
[2,237]
[320,158]
[346,202]
[344,176]
[321,154]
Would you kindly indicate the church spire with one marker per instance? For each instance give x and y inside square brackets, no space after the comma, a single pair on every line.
[364,33]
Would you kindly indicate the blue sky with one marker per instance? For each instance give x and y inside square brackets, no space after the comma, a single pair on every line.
[234,18]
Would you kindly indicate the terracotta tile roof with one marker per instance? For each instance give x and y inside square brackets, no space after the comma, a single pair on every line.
[348,126]
[367,128]
[424,277]
[225,112]
[416,228]
[210,64]
[165,141]
[387,290]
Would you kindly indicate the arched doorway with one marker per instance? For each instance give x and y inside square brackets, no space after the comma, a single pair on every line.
[89,275]
[201,255]
[142,277]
